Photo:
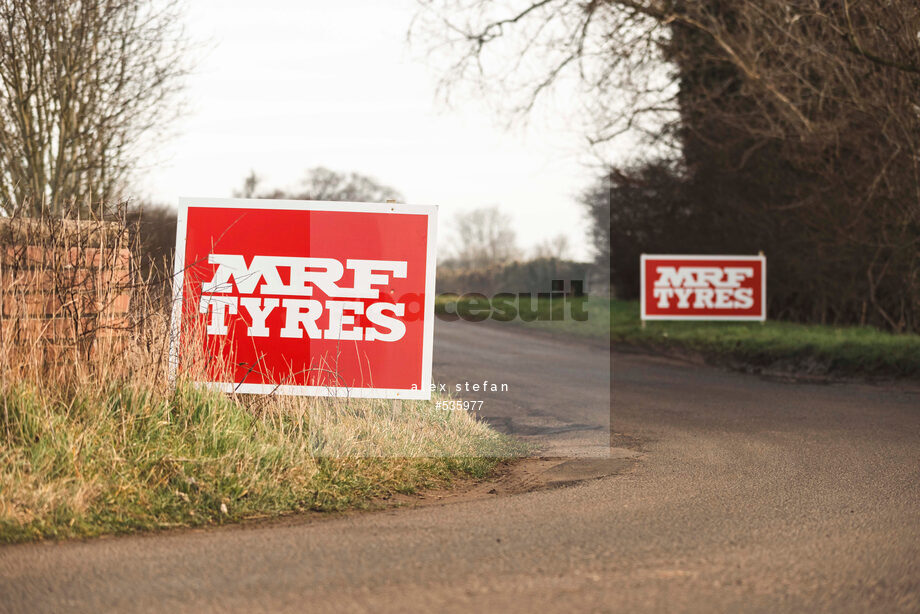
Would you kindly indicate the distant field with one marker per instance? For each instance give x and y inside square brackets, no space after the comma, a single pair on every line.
[596,326]
[781,346]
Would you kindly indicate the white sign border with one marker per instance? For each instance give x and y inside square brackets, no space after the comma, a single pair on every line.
[429,211]
[763,287]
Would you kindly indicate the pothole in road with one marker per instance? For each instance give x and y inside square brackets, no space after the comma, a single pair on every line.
[536,426]
[577,470]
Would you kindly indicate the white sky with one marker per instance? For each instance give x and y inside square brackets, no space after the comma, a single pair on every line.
[284,86]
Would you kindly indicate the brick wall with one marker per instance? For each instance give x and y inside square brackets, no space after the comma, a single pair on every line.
[63,284]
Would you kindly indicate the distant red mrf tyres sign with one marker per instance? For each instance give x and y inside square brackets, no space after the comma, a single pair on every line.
[703,287]
[306,298]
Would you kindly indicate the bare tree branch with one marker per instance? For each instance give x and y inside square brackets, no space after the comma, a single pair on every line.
[82,83]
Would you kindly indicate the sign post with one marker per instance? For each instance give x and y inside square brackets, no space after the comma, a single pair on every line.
[305,297]
[396,404]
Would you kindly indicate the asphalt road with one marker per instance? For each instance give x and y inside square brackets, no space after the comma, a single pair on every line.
[725,493]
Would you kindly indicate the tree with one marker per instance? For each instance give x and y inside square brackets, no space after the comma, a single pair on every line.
[810,148]
[323,184]
[250,186]
[484,237]
[611,51]
[784,125]
[80,83]
[320,183]
[641,209]
[155,226]
[553,248]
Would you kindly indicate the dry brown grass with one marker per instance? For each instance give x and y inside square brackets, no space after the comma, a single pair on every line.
[94,438]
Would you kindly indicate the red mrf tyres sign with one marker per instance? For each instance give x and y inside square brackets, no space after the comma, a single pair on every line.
[703,287]
[305,297]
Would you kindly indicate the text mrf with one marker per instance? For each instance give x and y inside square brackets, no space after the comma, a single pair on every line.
[260,289]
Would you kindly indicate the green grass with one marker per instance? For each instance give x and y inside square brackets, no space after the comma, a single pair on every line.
[778,346]
[785,346]
[597,324]
[125,458]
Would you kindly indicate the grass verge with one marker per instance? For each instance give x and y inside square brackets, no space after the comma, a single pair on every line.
[94,438]
[813,349]
[125,457]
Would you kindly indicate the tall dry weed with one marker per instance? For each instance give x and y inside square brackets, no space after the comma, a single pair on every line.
[96,437]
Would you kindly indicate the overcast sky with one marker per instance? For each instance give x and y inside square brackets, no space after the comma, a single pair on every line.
[284,86]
